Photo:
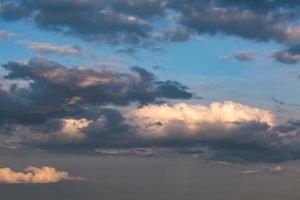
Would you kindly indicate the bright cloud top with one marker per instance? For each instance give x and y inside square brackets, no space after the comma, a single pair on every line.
[157,118]
[35,175]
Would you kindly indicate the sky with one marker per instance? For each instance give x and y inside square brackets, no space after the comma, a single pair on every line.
[209,83]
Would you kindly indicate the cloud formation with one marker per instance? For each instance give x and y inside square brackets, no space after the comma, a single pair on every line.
[55,91]
[242,56]
[289,56]
[161,120]
[35,175]
[47,48]
[142,21]
[57,107]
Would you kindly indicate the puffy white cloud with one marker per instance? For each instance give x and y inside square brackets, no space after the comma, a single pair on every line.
[157,120]
[35,175]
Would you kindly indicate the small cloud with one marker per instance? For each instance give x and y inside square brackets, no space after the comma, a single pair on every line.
[47,48]
[128,51]
[225,58]
[285,57]
[4,35]
[157,67]
[274,170]
[250,171]
[35,175]
[147,152]
[242,56]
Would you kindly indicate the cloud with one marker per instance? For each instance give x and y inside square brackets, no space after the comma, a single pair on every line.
[4,35]
[285,57]
[242,56]
[158,120]
[145,152]
[142,8]
[232,22]
[245,56]
[250,171]
[47,48]
[142,22]
[274,170]
[229,131]
[129,51]
[55,91]
[12,12]
[35,175]
[90,20]
[88,108]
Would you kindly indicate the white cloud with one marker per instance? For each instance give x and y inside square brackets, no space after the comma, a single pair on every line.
[35,175]
[71,129]
[156,120]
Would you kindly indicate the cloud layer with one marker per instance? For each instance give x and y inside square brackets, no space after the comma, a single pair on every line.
[48,105]
[143,21]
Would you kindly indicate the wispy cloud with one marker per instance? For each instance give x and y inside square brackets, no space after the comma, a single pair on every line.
[4,35]
[242,56]
[48,48]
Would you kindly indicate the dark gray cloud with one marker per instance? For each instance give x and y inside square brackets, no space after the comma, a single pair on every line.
[140,21]
[91,20]
[234,23]
[142,8]
[11,11]
[129,51]
[57,91]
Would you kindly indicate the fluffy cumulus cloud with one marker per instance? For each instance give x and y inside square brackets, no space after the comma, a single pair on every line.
[35,175]
[162,120]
